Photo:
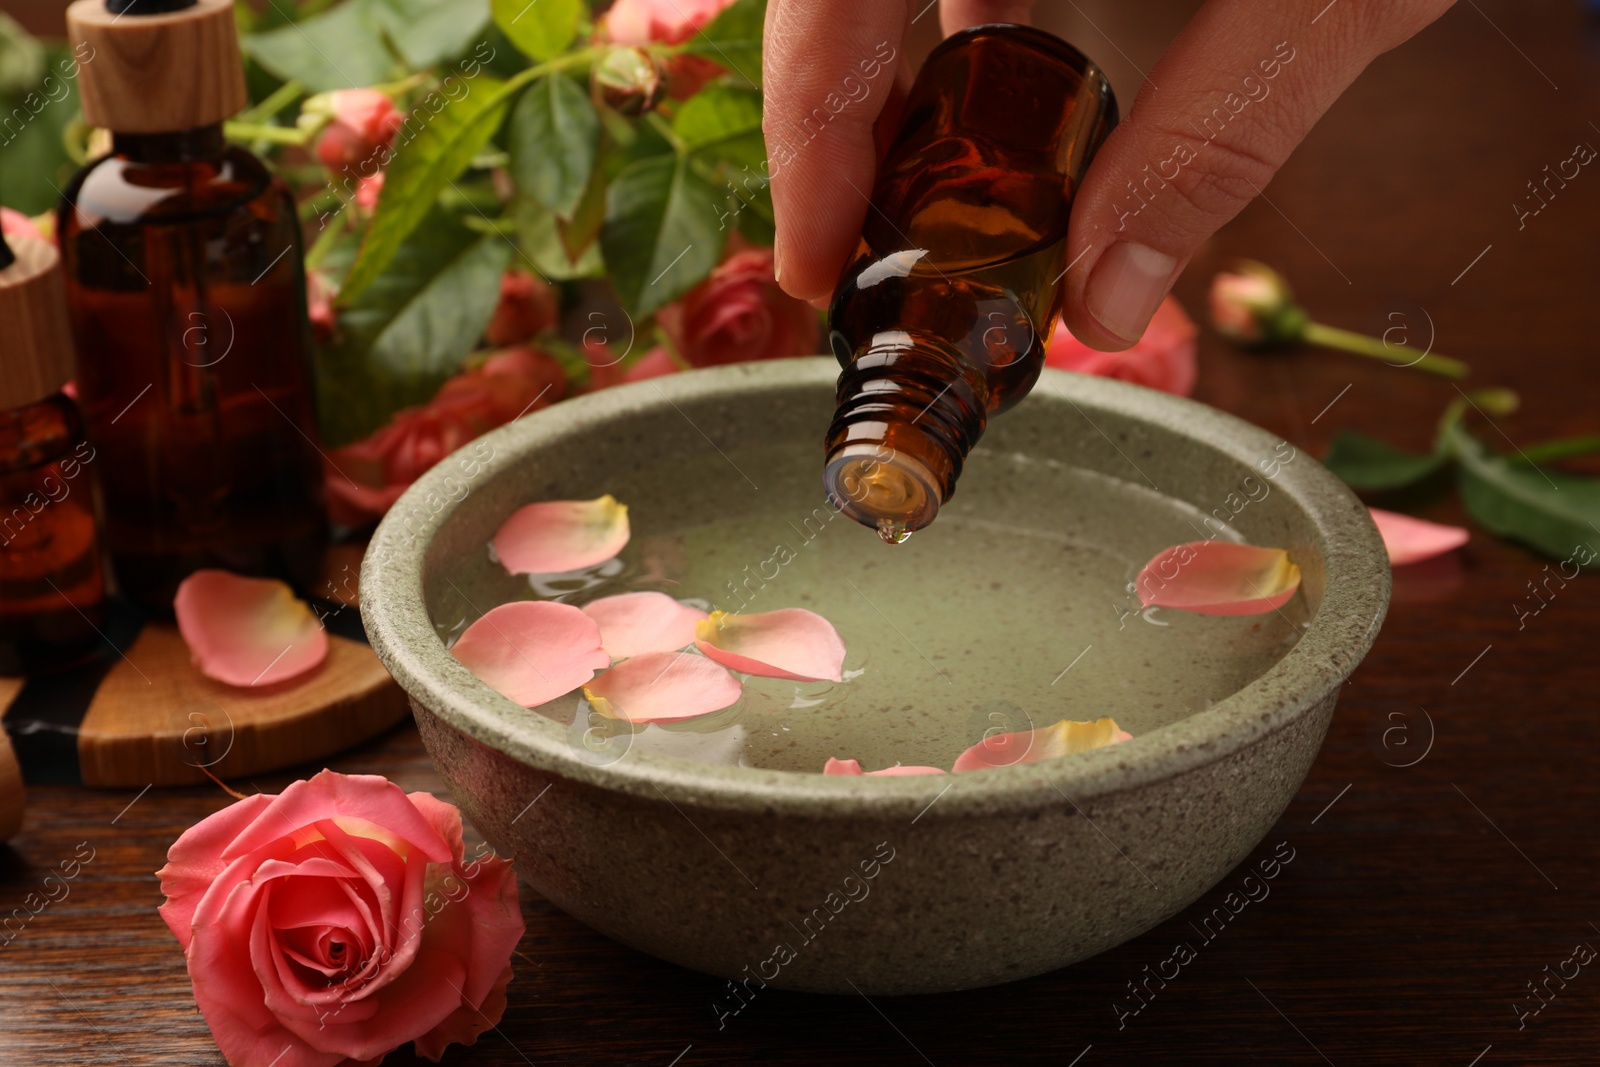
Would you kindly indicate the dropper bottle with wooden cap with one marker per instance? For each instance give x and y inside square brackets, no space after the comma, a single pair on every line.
[941,318]
[187,292]
[52,589]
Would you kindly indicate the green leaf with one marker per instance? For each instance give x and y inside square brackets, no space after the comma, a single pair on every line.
[540,238]
[663,231]
[733,39]
[542,29]
[554,139]
[1367,463]
[1557,514]
[345,47]
[428,32]
[718,114]
[579,233]
[32,126]
[411,328]
[420,170]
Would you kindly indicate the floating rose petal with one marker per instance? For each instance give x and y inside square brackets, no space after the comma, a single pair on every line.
[663,687]
[247,631]
[1414,540]
[1218,578]
[850,766]
[532,650]
[557,536]
[633,623]
[789,643]
[1048,742]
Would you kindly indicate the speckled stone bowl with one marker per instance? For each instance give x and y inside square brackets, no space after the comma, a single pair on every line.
[877,885]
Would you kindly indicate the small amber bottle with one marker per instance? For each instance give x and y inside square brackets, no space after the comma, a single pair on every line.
[52,590]
[941,318]
[187,291]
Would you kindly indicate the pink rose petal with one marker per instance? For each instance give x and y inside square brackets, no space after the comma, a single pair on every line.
[1164,358]
[1045,743]
[663,687]
[532,650]
[557,536]
[790,643]
[850,766]
[632,623]
[1218,578]
[1412,540]
[247,631]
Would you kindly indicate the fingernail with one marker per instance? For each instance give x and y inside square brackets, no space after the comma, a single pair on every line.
[1126,287]
[777,263]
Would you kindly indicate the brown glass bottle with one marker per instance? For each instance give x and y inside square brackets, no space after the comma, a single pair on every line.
[184,276]
[941,317]
[52,589]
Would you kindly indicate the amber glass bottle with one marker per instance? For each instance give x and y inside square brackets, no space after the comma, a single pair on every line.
[941,317]
[187,292]
[52,591]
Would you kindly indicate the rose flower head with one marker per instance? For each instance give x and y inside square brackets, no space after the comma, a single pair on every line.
[1252,304]
[339,920]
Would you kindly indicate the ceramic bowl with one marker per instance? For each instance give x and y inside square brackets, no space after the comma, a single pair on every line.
[871,884]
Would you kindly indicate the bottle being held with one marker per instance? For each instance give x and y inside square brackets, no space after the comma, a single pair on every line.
[187,293]
[940,319]
[52,590]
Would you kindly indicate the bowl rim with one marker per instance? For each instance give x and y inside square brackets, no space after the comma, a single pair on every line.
[1355,599]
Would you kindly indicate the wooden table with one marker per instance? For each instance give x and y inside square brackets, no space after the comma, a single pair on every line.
[1422,899]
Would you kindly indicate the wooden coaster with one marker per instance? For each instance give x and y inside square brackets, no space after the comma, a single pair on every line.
[153,719]
[10,774]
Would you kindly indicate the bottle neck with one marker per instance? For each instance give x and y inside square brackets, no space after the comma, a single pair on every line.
[196,145]
[909,410]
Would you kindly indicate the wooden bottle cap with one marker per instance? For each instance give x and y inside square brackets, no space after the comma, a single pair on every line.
[158,73]
[36,350]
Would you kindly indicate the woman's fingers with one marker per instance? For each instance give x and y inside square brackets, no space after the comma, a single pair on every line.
[829,70]
[1238,90]
[959,14]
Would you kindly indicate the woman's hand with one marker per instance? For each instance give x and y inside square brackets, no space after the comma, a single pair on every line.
[1240,87]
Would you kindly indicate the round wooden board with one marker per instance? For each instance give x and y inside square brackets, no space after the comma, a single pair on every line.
[155,720]
[11,799]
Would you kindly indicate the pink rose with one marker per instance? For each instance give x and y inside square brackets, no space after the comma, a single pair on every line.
[527,305]
[321,292]
[337,921]
[641,22]
[1163,359]
[655,363]
[364,479]
[739,314]
[1251,304]
[368,190]
[364,122]
[16,224]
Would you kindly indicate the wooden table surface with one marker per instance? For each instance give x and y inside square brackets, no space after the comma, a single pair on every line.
[1445,841]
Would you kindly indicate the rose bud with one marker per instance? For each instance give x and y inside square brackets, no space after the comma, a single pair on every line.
[1252,304]
[628,81]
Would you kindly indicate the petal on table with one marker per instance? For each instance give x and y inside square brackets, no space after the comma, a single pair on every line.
[247,631]
[663,687]
[557,536]
[850,766]
[1048,742]
[1218,578]
[1412,540]
[790,643]
[634,623]
[532,651]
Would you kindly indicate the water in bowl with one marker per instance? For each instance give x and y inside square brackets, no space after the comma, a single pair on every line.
[1014,610]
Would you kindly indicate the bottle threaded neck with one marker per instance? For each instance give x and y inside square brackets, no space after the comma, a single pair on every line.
[909,410]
